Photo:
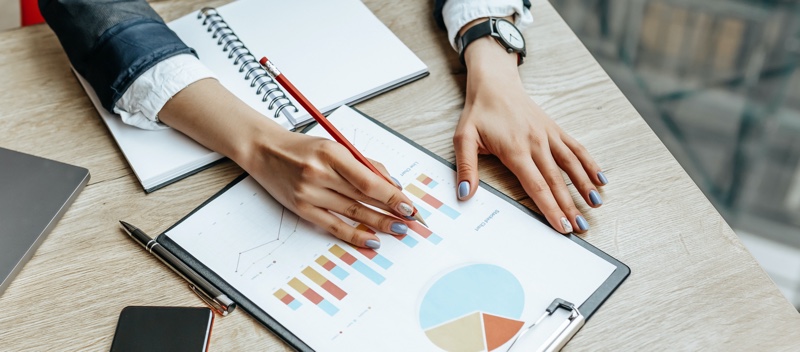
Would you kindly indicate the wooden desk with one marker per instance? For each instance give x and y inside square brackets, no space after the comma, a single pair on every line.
[694,286]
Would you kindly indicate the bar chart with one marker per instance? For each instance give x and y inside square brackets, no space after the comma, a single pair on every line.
[357,264]
[313,296]
[287,299]
[330,266]
[432,201]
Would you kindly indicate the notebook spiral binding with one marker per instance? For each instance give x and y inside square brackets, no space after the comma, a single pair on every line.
[248,63]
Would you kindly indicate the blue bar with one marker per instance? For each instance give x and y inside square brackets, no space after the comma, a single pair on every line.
[328,307]
[452,213]
[422,211]
[434,238]
[295,304]
[339,272]
[409,241]
[382,261]
[368,272]
[432,184]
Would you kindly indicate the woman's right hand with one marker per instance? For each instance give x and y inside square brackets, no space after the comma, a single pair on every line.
[310,176]
[314,177]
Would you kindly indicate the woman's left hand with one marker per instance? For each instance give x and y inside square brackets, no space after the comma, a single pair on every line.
[500,118]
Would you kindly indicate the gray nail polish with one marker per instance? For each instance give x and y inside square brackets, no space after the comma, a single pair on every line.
[399,227]
[463,189]
[396,182]
[582,224]
[602,178]
[595,198]
[373,244]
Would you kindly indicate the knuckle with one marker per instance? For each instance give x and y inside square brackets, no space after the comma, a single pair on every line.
[327,151]
[461,137]
[353,210]
[394,198]
[554,179]
[367,185]
[337,229]
[465,167]
[311,171]
[540,186]
[303,208]
[358,194]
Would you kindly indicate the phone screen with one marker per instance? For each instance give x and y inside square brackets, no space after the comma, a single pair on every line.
[163,329]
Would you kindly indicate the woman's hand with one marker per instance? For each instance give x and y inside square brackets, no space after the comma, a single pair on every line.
[500,118]
[313,177]
[310,176]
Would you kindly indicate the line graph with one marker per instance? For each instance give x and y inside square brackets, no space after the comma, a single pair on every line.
[245,261]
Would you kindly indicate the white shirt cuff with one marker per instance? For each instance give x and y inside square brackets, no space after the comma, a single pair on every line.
[140,104]
[457,13]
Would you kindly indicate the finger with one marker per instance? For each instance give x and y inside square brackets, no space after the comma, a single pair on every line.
[361,213]
[466,146]
[572,166]
[353,193]
[539,190]
[370,184]
[587,162]
[543,158]
[340,229]
[385,172]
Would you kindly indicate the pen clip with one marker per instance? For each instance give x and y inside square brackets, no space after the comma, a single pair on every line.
[209,300]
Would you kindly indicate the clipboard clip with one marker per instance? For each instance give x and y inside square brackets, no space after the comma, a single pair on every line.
[563,333]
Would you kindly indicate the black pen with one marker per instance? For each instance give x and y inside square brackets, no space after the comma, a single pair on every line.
[207,292]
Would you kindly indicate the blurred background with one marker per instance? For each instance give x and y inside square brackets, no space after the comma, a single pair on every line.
[718,82]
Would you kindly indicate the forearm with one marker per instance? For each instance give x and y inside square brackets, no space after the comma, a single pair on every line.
[111,43]
[489,64]
[214,117]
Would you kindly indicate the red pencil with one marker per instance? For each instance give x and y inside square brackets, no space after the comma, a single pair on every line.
[327,125]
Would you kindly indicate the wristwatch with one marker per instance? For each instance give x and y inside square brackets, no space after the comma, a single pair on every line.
[504,32]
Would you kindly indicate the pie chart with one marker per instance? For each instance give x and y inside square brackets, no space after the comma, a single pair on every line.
[473,308]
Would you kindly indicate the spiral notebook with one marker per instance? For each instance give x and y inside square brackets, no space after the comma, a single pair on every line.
[475,280]
[335,51]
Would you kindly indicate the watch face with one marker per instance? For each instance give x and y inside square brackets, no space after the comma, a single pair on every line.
[510,34]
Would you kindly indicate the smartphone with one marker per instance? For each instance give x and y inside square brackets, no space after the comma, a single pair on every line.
[163,329]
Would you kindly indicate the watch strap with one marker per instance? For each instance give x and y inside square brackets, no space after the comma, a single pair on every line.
[475,32]
[487,28]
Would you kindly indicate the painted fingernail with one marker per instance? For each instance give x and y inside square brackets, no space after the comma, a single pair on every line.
[405,209]
[602,178]
[463,189]
[373,244]
[595,198]
[566,225]
[582,224]
[397,183]
[399,227]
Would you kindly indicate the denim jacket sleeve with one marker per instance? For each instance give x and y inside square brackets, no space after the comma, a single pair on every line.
[438,5]
[111,43]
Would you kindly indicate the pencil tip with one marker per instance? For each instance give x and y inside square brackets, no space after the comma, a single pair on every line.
[419,219]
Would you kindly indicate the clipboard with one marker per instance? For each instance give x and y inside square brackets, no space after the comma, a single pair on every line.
[577,315]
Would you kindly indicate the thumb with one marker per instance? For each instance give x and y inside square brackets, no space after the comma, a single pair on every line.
[466,146]
[385,173]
